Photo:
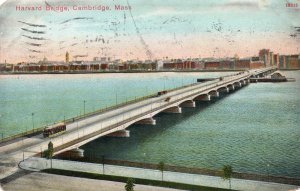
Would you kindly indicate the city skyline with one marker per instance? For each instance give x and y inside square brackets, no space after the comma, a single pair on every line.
[151,30]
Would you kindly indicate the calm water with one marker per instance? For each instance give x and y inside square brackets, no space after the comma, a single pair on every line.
[254,129]
[52,98]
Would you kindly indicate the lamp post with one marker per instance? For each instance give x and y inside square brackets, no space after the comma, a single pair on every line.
[165,82]
[144,158]
[2,133]
[268,165]
[84,108]
[32,114]
[116,98]
[77,129]
[102,157]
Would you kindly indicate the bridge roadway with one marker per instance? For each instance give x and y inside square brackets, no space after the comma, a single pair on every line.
[85,130]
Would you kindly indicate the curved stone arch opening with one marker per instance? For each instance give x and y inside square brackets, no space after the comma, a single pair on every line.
[172,109]
[202,97]
[146,120]
[243,82]
[187,103]
[237,84]
[231,87]
[223,89]
[214,93]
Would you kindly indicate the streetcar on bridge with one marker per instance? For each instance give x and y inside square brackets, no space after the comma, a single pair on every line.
[55,129]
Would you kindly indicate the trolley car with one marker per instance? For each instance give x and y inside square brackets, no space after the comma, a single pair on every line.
[162,93]
[54,129]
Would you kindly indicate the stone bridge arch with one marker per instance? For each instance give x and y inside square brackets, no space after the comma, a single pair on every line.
[214,93]
[187,103]
[202,97]
[223,89]
[237,84]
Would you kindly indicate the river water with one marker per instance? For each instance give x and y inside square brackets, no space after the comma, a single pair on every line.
[253,129]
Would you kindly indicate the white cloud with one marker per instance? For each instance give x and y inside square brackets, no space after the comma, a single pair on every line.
[264,3]
[158,12]
[1,2]
[261,4]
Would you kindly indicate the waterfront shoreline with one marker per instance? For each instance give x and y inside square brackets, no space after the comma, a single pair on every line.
[155,177]
[146,182]
[127,71]
[108,72]
[199,171]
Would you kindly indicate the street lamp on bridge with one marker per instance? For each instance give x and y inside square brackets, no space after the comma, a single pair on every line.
[32,114]
[116,98]
[84,108]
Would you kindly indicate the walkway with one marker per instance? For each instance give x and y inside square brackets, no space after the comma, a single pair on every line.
[40,181]
[36,164]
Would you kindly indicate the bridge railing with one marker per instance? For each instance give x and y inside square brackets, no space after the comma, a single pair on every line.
[28,133]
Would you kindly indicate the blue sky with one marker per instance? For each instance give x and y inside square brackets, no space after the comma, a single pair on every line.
[157,29]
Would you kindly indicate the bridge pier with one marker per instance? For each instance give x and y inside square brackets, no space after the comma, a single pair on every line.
[237,84]
[214,94]
[246,81]
[72,154]
[253,81]
[188,103]
[203,97]
[231,87]
[175,109]
[243,82]
[121,133]
[147,121]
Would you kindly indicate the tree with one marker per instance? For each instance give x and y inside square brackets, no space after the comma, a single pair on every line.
[49,152]
[227,174]
[161,167]
[129,185]
[50,149]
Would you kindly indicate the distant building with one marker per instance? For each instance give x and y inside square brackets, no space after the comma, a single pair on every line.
[257,64]
[264,55]
[102,59]
[212,65]
[287,61]
[159,65]
[226,64]
[178,64]
[276,60]
[249,63]
[255,58]
[243,63]
[282,62]
[294,62]
[67,57]
[271,58]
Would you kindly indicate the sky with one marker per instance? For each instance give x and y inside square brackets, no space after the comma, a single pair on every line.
[151,29]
